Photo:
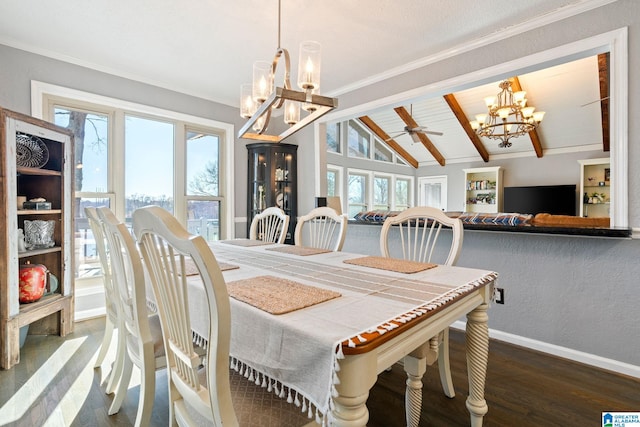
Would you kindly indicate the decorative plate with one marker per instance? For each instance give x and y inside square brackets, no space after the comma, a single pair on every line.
[31,152]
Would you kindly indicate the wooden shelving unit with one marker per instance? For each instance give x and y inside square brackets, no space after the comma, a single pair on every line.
[483,189]
[595,188]
[52,314]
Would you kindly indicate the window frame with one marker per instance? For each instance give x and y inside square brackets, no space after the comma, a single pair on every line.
[43,95]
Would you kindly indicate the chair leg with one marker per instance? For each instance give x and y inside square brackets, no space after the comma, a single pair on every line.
[147,392]
[443,365]
[121,354]
[106,342]
[123,385]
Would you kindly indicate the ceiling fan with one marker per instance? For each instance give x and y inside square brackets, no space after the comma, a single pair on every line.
[411,128]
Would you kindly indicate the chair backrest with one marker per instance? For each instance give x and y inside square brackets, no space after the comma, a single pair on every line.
[111,297]
[270,225]
[419,228]
[129,280]
[322,228]
[165,245]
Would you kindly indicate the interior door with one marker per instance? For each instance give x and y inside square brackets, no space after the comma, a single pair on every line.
[432,191]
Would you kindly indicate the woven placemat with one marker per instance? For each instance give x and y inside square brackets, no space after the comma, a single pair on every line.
[276,295]
[299,250]
[391,264]
[246,242]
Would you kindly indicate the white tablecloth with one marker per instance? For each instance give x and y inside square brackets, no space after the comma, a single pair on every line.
[298,353]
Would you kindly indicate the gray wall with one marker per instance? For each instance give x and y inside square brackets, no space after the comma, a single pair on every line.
[574,292]
[578,293]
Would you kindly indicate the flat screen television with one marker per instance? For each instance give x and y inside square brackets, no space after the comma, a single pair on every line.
[552,199]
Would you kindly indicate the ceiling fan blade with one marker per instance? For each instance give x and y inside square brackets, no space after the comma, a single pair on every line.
[412,126]
[433,132]
[394,136]
[415,137]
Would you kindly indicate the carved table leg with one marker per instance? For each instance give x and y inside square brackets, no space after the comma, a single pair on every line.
[477,344]
[415,368]
[357,375]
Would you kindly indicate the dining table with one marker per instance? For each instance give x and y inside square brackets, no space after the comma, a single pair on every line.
[317,327]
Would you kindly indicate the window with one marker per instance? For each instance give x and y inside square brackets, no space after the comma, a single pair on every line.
[92,173]
[203,178]
[129,155]
[382,153]
[148,171]
[381,193]
[403,193]
[333,138]
[332,178]
[357,194]
[359,140]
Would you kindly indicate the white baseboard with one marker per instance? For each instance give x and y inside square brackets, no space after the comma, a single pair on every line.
[89,314]
[564,352]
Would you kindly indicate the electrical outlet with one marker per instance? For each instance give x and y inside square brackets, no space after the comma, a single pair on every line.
[498,295]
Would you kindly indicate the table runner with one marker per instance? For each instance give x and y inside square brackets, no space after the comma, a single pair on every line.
[391,264]
[190,268]
[297,354]
[246,242]
[299,250]
[276,295]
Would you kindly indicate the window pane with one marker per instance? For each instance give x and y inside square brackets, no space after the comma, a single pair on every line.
[203,160]
[204,218]
[381,193]
[331,183]
[382,153]
[86,254]
[333,137]
[357,194]
[359,141]
[402,194]
[149,164]
[91,142]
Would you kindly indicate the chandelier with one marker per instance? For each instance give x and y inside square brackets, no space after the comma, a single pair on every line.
[508,116]
[257,100]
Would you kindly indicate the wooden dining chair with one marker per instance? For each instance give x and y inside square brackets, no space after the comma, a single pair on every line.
[143,335]
[322,228]
[270,225]
[213,395]
[112,304]
[417,239]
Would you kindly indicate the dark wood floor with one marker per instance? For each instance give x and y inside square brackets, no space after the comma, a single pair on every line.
[56,385]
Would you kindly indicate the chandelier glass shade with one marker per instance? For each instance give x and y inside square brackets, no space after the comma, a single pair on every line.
[508,116]
[259,99]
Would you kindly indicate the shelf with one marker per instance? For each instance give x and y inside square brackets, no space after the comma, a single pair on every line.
[36,252]
[36,171]
[45,306]
[39,212]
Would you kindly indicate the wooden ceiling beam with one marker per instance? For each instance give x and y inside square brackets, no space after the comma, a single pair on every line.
[406,117]
[366,120]
[462,119]
[603,73]
[535,138]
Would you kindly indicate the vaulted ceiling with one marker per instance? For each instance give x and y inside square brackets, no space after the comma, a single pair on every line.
[576,112]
